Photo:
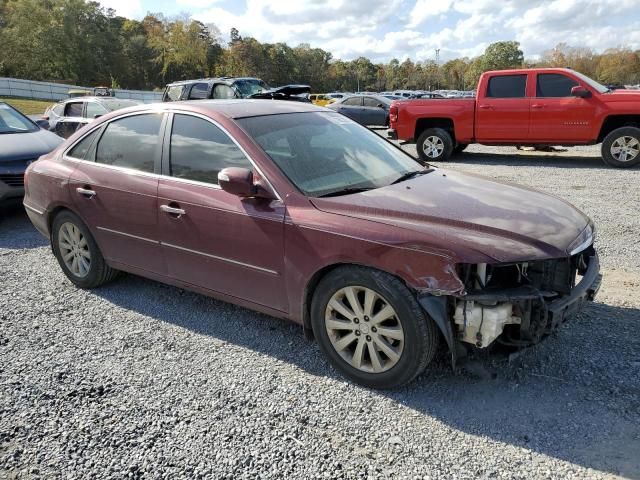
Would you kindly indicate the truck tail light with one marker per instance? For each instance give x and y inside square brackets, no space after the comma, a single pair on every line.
[393,114]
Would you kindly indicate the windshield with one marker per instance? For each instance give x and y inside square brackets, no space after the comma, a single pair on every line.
[591,82]
[250,86]
[112,105]
[12,121]
[324,153]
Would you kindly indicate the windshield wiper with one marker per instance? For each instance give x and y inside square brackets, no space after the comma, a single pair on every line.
[346,191]
[409,175]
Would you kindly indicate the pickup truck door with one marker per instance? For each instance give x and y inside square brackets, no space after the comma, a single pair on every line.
[558,116]
[502,110]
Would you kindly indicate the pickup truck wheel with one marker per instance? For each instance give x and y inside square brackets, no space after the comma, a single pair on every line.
[371,327]
[621,148]
[434,144]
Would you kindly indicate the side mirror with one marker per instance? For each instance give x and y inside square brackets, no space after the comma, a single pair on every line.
[240,182]
[42,123]
[580,91]
[381,105]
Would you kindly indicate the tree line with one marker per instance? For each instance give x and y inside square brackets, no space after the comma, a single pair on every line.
[80,42]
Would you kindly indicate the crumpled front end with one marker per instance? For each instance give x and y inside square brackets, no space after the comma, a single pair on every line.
[515,304]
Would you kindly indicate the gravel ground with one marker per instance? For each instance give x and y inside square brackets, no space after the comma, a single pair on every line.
[142,380]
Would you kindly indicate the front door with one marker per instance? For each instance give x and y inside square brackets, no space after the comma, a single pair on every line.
[372,112]
[502,112]
[556,116]
[210,238]
[114,187]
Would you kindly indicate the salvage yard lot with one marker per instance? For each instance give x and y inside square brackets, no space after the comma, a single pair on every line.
[145,380]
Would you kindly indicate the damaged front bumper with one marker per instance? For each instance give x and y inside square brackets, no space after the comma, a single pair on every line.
[518,316]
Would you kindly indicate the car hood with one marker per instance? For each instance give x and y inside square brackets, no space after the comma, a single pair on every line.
[26,146]
[468,214]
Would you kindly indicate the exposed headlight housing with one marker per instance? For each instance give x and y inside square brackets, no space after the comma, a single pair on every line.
[584,240]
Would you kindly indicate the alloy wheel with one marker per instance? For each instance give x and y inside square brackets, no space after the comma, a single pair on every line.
[625,149]
[364,329]
[74,250]
[433,146]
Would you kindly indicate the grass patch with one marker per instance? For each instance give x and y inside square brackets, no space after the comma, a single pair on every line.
[28,107]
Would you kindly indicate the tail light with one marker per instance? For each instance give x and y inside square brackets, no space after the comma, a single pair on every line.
[393,114]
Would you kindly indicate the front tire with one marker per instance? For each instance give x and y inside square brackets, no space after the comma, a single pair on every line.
[77,252]
[621,147]
[371,327]
[434,145]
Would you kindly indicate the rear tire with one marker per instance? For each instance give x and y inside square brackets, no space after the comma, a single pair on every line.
[78,253]
[434,145]
[621,147]
[388,349]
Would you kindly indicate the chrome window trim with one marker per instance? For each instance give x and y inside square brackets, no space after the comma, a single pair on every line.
[65,155]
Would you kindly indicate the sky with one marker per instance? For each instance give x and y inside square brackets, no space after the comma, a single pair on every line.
[386,29]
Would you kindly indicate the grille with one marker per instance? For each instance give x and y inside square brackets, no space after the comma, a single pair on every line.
[12,179]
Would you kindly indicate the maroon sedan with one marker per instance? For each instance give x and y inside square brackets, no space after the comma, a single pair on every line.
[301,213]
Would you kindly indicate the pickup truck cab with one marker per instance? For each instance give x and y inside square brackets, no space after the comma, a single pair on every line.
[542,106]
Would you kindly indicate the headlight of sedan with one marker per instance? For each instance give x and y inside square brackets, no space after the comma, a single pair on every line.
[585,239]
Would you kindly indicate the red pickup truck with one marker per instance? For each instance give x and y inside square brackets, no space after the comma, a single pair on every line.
[541,106]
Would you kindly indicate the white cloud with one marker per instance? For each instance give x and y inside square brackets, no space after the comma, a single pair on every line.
[383,29]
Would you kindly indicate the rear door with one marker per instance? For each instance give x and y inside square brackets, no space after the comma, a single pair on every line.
[217,240]
[556,116]
[352,108]
[502,112]
[115,186]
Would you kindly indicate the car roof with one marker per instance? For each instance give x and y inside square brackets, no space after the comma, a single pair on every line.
[233,108]
[534,70]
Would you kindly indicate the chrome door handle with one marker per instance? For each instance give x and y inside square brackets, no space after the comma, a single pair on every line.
[486,107]
[86,192]
[172,210]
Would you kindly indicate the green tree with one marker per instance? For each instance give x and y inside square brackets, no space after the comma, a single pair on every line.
[502,55]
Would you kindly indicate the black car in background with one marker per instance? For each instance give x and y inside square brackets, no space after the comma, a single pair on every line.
[71,114]
[233,87]
[22,141]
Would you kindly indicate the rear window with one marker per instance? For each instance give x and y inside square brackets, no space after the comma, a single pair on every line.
[173,93]
[507,86]
[73,109]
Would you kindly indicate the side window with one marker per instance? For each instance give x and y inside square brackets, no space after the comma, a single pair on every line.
[222,91]
[173,93]
[371,102]
[73,109]
[83,146]
[198,91]
[94,108]
[130,142]
[353,102]
[554,85]
[199,150]
[58,109]
[507,86]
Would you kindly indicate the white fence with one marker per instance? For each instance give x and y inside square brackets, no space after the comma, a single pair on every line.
[14,87]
